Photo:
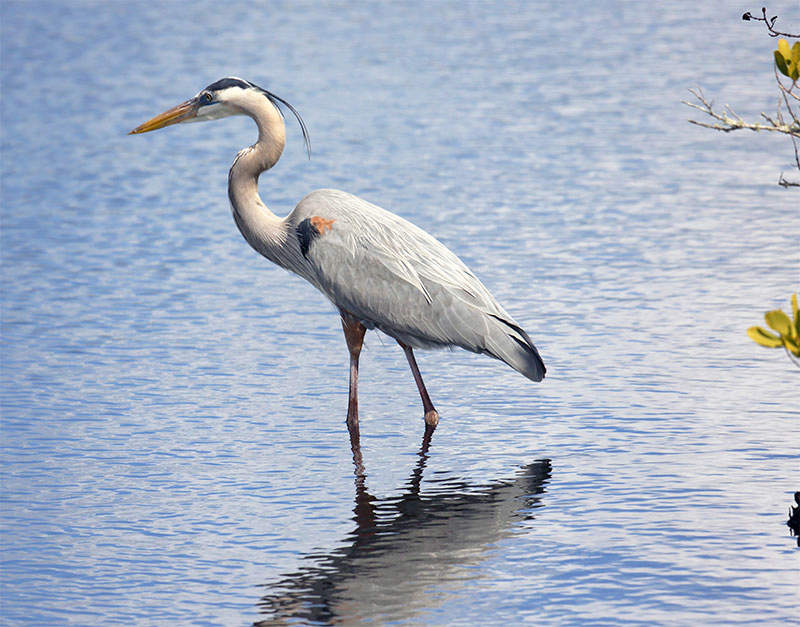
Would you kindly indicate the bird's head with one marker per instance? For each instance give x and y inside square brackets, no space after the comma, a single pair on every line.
[226,97]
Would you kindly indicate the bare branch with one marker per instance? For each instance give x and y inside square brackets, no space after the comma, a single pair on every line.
[787,183]
[785,94]
[768,22]
[727,123]
[787,91]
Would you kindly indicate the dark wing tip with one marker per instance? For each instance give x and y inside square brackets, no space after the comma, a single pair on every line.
[537,373]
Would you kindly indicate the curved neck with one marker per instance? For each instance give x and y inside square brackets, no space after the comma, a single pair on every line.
[263,230]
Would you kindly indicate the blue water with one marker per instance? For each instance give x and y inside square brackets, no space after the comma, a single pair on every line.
[173,439]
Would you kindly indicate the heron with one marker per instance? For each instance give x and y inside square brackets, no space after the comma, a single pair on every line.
[379,270]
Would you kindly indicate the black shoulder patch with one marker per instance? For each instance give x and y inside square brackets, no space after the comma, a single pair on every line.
[306,232]
[229,81]
[310,229]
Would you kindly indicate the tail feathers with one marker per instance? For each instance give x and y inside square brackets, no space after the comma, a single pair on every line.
[512,345]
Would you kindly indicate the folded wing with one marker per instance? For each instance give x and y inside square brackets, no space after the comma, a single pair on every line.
[395,277]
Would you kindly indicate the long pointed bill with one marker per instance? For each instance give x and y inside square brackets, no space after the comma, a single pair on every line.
[184,111]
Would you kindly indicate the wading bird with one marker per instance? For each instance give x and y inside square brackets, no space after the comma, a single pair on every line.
[379,270]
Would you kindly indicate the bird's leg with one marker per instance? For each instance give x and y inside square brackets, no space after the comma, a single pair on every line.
[354,336]
[431,415]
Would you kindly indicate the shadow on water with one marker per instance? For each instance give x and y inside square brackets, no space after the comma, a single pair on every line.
[408,552]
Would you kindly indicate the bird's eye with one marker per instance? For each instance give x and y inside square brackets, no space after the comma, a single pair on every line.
[208,97]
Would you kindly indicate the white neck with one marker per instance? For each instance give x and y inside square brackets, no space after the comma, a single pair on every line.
[264,231]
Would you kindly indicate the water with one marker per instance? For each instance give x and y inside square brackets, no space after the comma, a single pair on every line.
[173,439]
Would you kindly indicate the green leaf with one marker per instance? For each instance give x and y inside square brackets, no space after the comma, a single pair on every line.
[796,314]
[779,321]
[795,69]
[764,338]
[792,346]
[781,63]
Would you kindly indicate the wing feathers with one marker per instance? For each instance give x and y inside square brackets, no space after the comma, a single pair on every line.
[394,276]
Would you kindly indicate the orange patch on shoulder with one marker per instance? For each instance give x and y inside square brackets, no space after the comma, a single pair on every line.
[321,224]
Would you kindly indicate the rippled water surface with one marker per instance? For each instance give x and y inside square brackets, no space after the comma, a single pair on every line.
[173,439]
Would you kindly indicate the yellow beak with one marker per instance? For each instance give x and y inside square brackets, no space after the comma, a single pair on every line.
[184,111]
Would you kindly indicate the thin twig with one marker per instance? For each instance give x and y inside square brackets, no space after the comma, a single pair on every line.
[771,121]
[795,121]
[787,183]
[769,22]
[791,357]
[783,181]
[785,90]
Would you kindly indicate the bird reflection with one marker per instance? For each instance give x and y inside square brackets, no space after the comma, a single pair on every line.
[794,518]
[407,552]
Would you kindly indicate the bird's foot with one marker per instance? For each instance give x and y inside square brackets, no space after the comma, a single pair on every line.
[431,418]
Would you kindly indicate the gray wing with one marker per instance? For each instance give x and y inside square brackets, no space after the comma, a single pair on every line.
[394,276]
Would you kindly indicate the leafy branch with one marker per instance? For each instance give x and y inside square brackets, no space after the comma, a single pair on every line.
[785,120]
[787,329]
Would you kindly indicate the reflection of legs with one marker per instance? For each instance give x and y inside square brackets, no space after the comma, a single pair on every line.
[355,446]
[354,336]
[426,441]
[364,508]
[431,415]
